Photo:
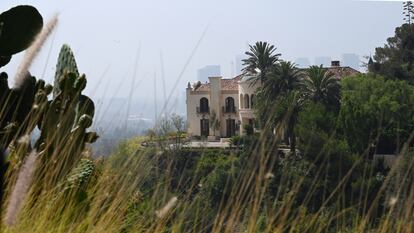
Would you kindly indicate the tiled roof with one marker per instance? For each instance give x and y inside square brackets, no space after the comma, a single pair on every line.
[233,84]
[226,84]
[341,72]
[203,87]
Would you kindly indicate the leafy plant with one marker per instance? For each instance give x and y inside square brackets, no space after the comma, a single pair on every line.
[376,113]
[214,122]
[396,59]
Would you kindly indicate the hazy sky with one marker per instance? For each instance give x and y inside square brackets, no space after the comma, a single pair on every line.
[106,35]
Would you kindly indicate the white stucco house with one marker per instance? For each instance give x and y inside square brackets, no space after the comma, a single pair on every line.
[232,100]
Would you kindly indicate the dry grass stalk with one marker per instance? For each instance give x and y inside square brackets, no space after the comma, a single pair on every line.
[167,208]
[21,189]
[33,50]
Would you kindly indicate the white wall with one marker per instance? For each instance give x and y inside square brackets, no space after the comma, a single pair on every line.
[193,118]
[217,100]
[246,88]
[223,117]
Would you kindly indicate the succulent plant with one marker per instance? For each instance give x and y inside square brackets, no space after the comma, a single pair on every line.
[63,121]
[81,174]
[17,105]
[68,113]
[18,28]
[66,117]
[66,63]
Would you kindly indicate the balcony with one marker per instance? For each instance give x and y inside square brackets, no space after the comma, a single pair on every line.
[247,113]
[203,110]
[229,110]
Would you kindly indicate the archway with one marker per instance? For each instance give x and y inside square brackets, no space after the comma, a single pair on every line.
[204,105]
[246,101]
[230,105]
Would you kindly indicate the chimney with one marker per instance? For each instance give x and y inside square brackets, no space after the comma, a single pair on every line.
[335,63]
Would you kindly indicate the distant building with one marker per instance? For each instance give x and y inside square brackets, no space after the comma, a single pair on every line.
[302,62]
[239,63]
[325,61]
[351,60]
[232,101]
[208,71]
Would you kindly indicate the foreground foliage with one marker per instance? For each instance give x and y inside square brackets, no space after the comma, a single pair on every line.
[330,181]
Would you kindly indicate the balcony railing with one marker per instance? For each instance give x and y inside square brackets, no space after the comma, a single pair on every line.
[229,109]
[203,110]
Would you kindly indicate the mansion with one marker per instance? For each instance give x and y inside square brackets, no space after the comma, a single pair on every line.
[232,101]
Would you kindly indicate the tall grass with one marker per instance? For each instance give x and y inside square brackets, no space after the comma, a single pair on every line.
[133,191]
[21,188]
[174,189]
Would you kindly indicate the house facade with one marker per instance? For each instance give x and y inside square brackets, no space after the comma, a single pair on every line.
[230,101]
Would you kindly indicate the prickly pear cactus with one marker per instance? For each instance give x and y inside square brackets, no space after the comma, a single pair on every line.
[66,63]
[80,175]
[68,113]
[18,28]
[63,121]
[66,120]
[19,107]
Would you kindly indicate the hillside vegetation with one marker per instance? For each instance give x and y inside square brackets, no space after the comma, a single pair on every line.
[334,179]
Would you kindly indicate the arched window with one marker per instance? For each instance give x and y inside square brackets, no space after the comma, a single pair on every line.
[246,101]
[252,100]
[204,105]
[241,100]
[230,105]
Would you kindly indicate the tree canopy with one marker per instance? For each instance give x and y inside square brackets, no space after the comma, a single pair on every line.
[376,112]
[320,85]
[261,59]
[395,60]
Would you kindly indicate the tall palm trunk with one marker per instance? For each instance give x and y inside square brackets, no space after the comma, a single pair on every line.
[292,138]
[293,143]
[291,130]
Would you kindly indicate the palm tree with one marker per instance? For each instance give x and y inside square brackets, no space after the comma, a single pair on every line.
[261,59]
[288,114]
[320,85]
[283,78]
[280,100]
[280,116]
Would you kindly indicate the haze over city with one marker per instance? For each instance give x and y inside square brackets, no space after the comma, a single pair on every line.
[107,36]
